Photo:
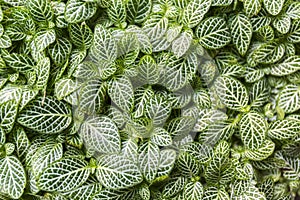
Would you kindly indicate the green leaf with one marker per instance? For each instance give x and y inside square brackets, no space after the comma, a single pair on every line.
[60,50]
[46,155]
[195,11]
[288,66]
[43,39]
[253,129]
[144,40]
[117,11]
[180,127]
[231,92]
[138,10]
[282,23]
[284,129]
[193,191]
[104,45]
[149,160]
[269,53]
[294,33]
[187,165]
[148,70]
[21,142]
[142,96]
[92,95]
[121,92]
[259,93]
[46,115]
[155,27]
[213,33]
[289,98]
[81,35]
[40,10]
[16,32]
[174,186]
[213,193]
[202,153]
[8,114]
[117,172]
[64,175]
[161,137]
[166,162]
[42,71]
[12,177]
[100,134]
[273,7]
[2,137]
[84,192]
[219,170]
[5,41]
[252,7]
[79,10]
[221,2]
[64,87]
[241,32]
[19,62]
[293,10]
[263,152]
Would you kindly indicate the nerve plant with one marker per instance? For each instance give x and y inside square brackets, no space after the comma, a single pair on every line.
[150,99]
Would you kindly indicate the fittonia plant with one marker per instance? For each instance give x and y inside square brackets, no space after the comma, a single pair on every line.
[141,99]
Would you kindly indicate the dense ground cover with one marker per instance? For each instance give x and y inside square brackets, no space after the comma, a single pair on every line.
[140,99]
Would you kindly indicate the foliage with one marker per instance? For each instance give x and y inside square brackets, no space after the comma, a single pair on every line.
[149,99]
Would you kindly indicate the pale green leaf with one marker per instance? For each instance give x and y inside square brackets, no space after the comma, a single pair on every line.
[121,92]
[182,44]
[5,41]
[294,33]
[46,155]
[293,10]
[213,193]
[104,46]
[161,137]
[101,135]
[116,11]
[282,24]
